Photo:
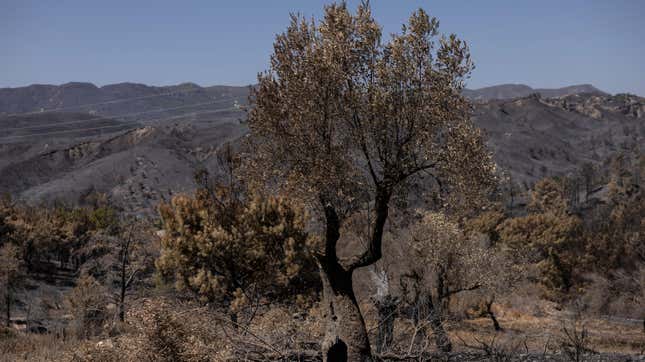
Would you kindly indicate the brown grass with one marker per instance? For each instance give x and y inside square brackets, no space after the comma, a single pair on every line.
[160,329]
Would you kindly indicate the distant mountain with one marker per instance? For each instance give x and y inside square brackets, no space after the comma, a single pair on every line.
[138,161]
[126,98]
[117,99]
[510,91]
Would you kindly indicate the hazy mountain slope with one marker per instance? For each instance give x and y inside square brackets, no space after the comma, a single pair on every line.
[136,168]
[119,100]
[139,163]
[125,98]
[35,126]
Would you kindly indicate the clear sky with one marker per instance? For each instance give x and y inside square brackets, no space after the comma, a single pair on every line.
[544,43]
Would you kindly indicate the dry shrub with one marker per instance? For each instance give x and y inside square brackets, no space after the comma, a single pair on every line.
[158,330]
[620,294]
[298,331]
[167,332]
[496,348]
[574,340]
[468,305]
[166,338]
[98,352]
[88,305]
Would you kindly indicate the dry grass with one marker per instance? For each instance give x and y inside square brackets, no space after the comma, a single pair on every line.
[166,330]
[545,332]
[34,347]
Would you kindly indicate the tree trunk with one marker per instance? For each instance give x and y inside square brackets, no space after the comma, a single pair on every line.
[386,307]
[122,298]
[122,309]
[345,335]
[436,324]
[491,315]
[8,304]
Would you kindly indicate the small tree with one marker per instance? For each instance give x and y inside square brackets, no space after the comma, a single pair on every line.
[11,275]
[386,307]
[228,251]
[88,304]
[6,212]
[545,235]
[119,261]
[134,257]
[574,337]
[588,175]
[343,120]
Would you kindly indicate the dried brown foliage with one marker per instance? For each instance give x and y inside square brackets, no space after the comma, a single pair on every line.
[234,251]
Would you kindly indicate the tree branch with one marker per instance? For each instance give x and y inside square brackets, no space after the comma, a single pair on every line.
[456,291]
[332,229]
[373,252]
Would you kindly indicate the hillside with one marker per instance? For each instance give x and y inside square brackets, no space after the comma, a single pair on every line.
[140,160]
[535,137]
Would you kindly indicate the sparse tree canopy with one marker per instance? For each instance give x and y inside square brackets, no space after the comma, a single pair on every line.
[343,120]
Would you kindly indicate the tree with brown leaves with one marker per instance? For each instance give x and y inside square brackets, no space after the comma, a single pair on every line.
[344,120]
[232,252]
[546,235]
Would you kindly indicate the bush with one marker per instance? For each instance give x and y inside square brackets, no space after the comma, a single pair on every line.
[231,251]
[88,305]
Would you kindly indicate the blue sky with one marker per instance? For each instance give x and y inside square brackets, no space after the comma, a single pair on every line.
[542,43]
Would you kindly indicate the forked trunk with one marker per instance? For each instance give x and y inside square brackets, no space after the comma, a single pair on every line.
[491,315]
[345,334]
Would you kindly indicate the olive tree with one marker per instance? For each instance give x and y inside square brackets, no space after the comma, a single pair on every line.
[343,120]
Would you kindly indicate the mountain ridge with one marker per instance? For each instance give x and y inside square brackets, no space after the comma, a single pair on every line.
[510,91]
[83,95]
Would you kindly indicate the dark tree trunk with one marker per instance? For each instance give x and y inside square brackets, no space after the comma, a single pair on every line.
[8,305]
[491,315]
[122,296]
[345,334]
[386,307]
[495,322]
